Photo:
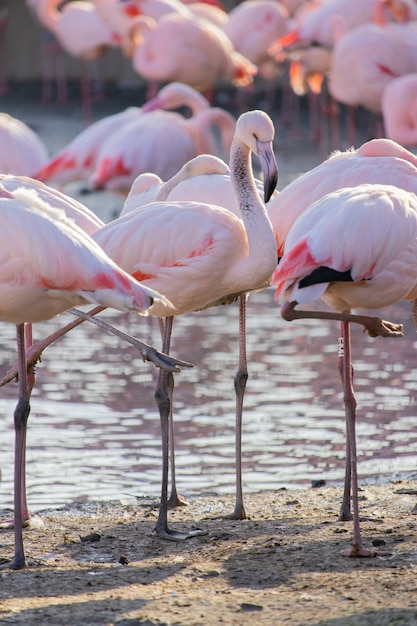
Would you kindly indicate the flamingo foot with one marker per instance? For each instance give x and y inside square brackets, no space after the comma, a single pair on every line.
[175,501]
[19,562]
[383,328]
[176,535]
[238,514]
[357,550]
[345,515]
[33,521]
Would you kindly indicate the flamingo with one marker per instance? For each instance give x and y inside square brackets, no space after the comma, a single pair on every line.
[49,265]
[187,49]
[22,150]
[203,179]
[375,161]
[314,21]
[399,109]
[354,248]
[378,161]
[141,146]
[202,255]
[372,55]
[85,219]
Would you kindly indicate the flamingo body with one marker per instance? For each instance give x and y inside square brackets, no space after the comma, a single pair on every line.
[37,280]
[22,152]
[399,109]
[191,51]
[377,161]
[78,27]
[254,25]
[367,58]
[141,146]
[366,235]
[74,210]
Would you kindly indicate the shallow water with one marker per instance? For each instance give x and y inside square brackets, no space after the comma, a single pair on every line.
[94,428]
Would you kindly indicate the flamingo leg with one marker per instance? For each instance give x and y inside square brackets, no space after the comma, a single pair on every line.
[25,513]
[163,401]
[21,416]
[345,509]
[414,310]
[357,549]
[373,325]
[174,499]
[241,378]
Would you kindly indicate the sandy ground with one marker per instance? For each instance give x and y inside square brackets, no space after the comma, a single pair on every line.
[102,564]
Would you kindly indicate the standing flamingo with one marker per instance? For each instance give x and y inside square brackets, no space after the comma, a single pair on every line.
[202,255]
[372,55]
[81,32]
[379,161]
[48,265]
[189,50]
[88,222]
[203,179]
[354,248]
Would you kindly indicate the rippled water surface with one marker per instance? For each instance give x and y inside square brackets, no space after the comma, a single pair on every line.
[94,428]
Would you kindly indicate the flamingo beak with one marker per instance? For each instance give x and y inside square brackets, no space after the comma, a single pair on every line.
[269,168]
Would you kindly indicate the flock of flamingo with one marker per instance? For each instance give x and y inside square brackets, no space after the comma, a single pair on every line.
[197,230]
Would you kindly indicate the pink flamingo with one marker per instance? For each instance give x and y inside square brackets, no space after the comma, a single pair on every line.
[399,109]
[379,161]
[121,15]
[89,223]
[314,21]
[354,248]
[48,266]
[85,219]
[376,161]
[22,150]
[189,50]
[373,55]
[141,146]
[203,179]
[180,247]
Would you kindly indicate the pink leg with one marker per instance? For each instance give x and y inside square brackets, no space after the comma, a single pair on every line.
[345,509]
[21,415]
[25,513]
[357,549]
[374,326]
